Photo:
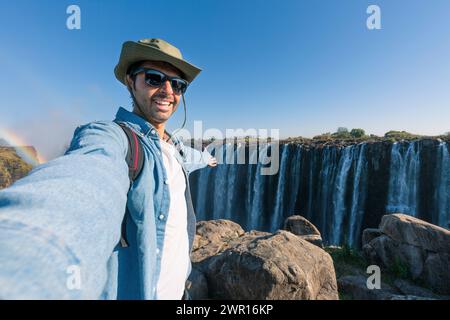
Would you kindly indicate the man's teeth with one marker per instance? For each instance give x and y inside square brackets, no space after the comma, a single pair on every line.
[164,103]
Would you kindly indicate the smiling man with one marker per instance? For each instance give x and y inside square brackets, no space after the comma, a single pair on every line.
[156,103]
[86,215]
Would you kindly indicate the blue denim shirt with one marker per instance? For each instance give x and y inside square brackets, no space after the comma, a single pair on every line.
[60,226]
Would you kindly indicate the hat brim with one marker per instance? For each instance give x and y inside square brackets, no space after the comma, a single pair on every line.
[133,52]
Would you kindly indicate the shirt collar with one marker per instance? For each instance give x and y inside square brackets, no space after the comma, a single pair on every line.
[141,125]
[136,122]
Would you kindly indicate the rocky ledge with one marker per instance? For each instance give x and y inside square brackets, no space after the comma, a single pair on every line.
[292,264]
[229,263]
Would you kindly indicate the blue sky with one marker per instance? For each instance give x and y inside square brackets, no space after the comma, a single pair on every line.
[305,67]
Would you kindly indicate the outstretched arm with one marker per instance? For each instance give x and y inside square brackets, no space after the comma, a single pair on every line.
[60,224]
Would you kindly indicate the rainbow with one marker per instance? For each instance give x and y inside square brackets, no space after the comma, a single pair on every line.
[22,147]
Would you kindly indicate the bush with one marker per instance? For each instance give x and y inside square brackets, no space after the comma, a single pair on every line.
[342,135]
[357,133]
[323,136]
[399,135]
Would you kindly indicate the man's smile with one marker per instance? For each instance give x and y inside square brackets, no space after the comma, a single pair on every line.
[163,104]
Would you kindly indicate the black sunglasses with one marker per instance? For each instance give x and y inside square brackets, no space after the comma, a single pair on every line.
[156,78]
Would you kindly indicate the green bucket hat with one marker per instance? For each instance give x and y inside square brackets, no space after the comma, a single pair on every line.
[156,50]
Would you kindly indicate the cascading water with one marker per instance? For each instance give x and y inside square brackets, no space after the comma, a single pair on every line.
[342,190]
[358,195]
[443,189]
[339,195]
[279,197]
[404,179]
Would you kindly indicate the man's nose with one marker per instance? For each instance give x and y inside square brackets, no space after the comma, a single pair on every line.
[167,87]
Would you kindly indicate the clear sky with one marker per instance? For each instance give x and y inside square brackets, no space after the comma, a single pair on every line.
[305,67]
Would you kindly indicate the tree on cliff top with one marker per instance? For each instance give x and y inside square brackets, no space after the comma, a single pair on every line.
[357,133]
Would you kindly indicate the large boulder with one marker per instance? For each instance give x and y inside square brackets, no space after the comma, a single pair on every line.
[355,287]
[410,289]
[260,265]
[197,285]
[303,228]
[214,236]
[369,234]
[420,247]
[406,229]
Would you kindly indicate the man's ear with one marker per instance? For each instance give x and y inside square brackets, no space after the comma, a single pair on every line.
[130,83]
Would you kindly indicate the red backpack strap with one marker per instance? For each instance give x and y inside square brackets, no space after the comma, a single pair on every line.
[135,153]
[135,161]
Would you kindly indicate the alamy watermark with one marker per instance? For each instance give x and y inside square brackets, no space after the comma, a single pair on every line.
[373,22]
[237,146]
[374,280]
[73,21]
[73,281]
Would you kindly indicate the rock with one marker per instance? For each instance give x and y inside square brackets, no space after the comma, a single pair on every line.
[303,228]
[197,285]
[270,266]
[409,297]
[436,272]
[407,229]
[409,289]
[314,239]
[212,237]
[356,287]
[384,251]
[421,248]
[300,226]
[369,234]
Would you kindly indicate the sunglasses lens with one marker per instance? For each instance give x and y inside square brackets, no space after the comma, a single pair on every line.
[154,78]
[179,85]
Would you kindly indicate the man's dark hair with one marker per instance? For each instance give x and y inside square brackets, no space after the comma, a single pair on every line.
[132,68]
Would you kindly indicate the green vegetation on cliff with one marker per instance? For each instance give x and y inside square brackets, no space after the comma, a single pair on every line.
[12,167]
[358,135]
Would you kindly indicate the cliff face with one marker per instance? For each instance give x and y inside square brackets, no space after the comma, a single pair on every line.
[12,167]
[341,189]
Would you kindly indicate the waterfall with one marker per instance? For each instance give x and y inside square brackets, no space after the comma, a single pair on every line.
[442,194]
[342,190]
[325,183]
[220,183]
[296,177]
[258,192]
[404,178]
[340,208]
[359,193]
[279,197]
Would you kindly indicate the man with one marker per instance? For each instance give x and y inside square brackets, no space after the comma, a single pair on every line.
[60,226]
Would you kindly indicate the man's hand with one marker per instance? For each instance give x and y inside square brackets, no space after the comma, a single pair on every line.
[212,162]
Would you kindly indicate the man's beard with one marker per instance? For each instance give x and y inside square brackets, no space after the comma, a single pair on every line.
[148,113]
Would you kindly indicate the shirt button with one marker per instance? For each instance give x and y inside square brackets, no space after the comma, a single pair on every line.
[166,181]
[157,251]
[161,217]
[153,131]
